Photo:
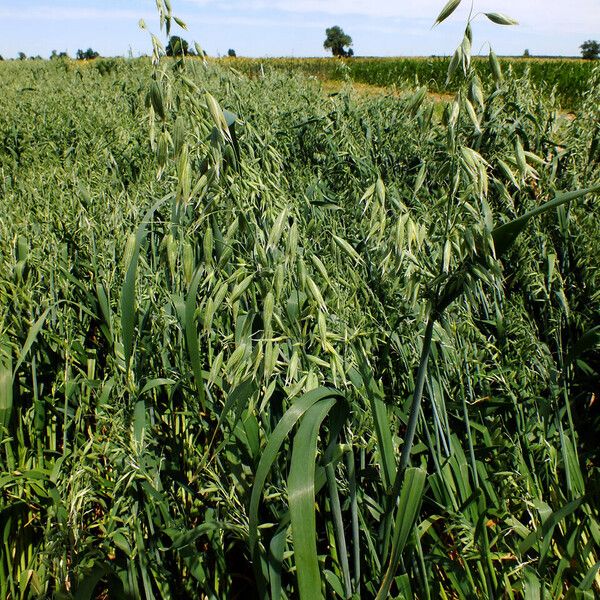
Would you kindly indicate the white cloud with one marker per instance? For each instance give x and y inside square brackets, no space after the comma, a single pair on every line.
[538,14]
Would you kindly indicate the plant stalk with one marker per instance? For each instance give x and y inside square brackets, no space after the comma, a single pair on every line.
[415,406]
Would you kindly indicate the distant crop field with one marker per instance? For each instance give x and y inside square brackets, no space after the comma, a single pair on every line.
[569,77]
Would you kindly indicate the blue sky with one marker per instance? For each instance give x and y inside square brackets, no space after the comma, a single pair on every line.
[296,27]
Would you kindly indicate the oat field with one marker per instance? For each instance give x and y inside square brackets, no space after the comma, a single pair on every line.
[260,341]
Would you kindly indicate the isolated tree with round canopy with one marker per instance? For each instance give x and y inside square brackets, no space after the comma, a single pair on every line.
[336,41]
[177,46]
[590,49]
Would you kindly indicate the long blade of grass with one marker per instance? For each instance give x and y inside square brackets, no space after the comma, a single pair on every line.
[379,411]
[351,468]
[409,504]
[6,386]
[128,301]
[34,331]
[191,336]
[276,439]
[505,235]
[276,549]
[301,497]
[545,529]
[413,415]
[338,523]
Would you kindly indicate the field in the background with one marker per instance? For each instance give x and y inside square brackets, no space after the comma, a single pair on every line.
[231,302]
[570,77]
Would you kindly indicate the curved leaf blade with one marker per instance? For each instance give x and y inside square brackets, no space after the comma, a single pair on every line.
[505,235]
[409,504]
[127,303]
[191,335]
[280,433]
[301,497]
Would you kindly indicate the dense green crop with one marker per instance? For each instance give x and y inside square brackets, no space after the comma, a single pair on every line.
[569,79]
[225,302]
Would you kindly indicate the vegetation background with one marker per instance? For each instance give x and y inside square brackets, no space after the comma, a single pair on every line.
[260,340]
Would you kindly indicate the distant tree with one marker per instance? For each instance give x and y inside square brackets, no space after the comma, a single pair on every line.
[526,53]
[55,55]
[1,57]
[177,46]
[231,53]
[336,41]
[22,56]
[590,49]
[88,54]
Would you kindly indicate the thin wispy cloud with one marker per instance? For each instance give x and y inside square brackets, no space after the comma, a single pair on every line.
[69,13]
[532,12]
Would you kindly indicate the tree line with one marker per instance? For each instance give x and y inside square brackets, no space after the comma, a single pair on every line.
[336,41]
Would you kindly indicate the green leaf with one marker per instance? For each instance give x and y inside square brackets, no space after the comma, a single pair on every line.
[191,335]
[334,581]
[301,496]
[409,504]
[128,307]
[276,550]
[120,541]
[6,386]
[34,331]
[139,421]
[548,525]
[269,455]
[531,585]
[505,235]
[588,581]
[182,540]
[368,387]
[89,581]
[589,340]
[338,522]
[154,383]
[105,308]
